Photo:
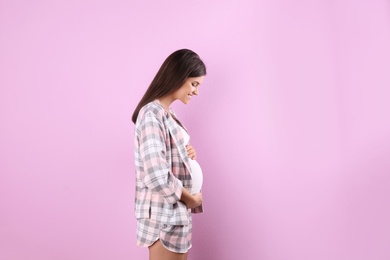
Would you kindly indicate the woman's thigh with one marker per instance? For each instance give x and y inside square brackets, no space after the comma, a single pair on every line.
[158,252]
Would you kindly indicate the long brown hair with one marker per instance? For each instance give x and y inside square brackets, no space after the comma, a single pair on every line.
[172,74]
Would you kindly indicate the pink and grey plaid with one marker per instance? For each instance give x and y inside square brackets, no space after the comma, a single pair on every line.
[174,238]
[162,170]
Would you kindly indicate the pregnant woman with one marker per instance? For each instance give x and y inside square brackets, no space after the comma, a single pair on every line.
[168,178]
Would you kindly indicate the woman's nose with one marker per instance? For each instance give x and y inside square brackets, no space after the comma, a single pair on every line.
[195,92]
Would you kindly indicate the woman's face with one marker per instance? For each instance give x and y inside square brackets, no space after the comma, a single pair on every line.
[188,89]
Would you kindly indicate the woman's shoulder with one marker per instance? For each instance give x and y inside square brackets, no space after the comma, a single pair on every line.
[152,109]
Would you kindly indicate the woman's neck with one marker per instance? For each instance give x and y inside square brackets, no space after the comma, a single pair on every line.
[166,102]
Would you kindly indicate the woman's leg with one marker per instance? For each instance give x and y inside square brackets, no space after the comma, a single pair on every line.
[158,252]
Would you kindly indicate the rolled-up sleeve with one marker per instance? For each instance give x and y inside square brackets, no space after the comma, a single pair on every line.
[152,150]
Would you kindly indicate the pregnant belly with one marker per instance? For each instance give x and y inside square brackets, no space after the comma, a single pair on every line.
[197,176]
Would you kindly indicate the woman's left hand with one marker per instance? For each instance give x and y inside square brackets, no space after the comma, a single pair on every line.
[191,152]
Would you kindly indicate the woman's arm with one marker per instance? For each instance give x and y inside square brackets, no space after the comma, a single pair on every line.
[157,173]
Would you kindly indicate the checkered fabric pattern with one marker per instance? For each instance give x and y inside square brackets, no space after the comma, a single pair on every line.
[162,168]
[174,238]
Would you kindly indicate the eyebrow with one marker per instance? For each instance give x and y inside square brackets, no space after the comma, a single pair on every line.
[197,82]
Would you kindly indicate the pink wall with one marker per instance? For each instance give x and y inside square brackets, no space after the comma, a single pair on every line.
[291,127]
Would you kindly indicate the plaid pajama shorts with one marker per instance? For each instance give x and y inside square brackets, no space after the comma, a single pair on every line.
[174,238]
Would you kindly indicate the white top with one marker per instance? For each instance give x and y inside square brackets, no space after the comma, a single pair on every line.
[196,171]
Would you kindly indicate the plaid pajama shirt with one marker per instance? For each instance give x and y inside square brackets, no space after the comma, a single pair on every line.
[162,170]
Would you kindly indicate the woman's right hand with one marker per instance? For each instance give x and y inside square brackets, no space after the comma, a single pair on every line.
[191,200]
[196,201]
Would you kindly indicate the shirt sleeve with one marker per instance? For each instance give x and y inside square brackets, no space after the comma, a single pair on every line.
[152,150]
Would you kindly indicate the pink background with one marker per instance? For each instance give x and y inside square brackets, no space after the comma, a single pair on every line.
[292,126]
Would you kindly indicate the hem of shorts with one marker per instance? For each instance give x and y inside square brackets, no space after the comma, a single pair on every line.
[146,245]
[176,251]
